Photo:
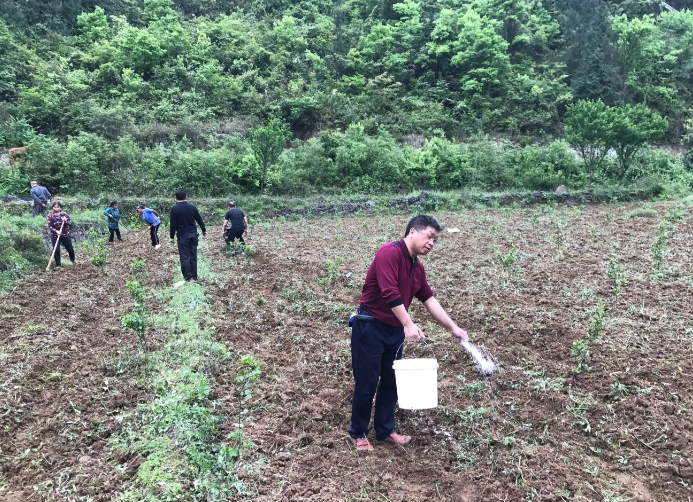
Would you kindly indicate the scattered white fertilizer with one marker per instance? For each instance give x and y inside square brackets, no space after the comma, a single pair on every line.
[486,366]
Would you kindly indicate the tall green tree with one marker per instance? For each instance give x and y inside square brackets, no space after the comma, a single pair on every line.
[587,52]
[588,130]
[267,143]
[632,127]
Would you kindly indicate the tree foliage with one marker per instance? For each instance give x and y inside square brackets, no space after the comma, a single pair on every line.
[267,143]
[154,84]
[587,129]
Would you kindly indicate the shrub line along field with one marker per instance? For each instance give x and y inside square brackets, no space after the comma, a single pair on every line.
[526,284]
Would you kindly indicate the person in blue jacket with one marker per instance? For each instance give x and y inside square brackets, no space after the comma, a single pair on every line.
[41,197]
[154,220]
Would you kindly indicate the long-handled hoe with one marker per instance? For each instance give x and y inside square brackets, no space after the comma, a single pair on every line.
[138,235]
[57,243]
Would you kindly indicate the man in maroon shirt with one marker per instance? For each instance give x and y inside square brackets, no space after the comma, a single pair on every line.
[382,323]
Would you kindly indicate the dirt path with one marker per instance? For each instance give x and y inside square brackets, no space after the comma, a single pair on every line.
[61,391]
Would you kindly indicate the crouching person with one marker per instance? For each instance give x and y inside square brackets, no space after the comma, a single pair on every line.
[235,225]
[59,220]
[154,220]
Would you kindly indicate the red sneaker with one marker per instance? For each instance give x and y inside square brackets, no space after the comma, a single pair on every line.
[362,444]
[395,438]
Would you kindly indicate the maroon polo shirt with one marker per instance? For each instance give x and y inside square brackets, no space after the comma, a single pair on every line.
[394,278]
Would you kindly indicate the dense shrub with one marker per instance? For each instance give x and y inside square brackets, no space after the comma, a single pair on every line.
[349,161]
[22,248]
[657,165]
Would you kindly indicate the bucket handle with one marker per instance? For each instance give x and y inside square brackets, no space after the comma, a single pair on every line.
[424,341]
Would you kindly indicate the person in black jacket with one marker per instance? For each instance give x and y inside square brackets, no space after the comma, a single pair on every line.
[182,219]
[235,225]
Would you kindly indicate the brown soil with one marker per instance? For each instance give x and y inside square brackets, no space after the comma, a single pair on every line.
[509,441]
[518,436]
[60,391]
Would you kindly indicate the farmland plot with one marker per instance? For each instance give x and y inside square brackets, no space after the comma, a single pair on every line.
[584,310]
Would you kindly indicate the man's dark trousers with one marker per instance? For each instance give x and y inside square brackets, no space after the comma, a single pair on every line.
[187,249]
[154,234]
[231,236]
[374,347]
[67,243]
[38,208]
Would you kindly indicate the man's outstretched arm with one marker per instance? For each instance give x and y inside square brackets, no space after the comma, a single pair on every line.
[438,313]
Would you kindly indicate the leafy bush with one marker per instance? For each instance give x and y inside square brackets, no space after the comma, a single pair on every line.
[22,249]
[102,252]
[659,166]
[546,168]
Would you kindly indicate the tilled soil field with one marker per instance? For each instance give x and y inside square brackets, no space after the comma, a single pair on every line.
[534,431]
[61,342]
[531,432]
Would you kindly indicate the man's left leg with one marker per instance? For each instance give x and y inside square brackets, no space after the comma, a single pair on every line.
[367,345]
[386,397]
[194,241]
[36,210]
[228,239]
[154,234]
[238,234]
[184,253]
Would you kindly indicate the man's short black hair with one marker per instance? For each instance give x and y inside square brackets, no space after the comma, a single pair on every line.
[181,194]
[421,222]
[232,203]
[114,203]
[57,204]
[140,207]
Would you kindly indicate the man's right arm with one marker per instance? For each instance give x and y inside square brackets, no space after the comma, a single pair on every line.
[198,219]
[35,197]
[387,270]
[411,331]
[173,222]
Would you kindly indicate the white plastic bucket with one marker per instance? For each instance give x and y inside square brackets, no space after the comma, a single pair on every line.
[417,383]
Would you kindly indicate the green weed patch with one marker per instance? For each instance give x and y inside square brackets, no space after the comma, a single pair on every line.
[177,433]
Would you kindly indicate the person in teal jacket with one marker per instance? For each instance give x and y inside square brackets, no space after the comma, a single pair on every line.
[113,220]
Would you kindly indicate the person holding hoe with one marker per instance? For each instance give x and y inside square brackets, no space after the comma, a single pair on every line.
[113,220]
[59,223]
[382,323]
[183,218]
[235,225]
[154,220]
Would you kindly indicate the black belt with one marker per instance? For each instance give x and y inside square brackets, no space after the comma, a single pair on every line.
[361,314]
